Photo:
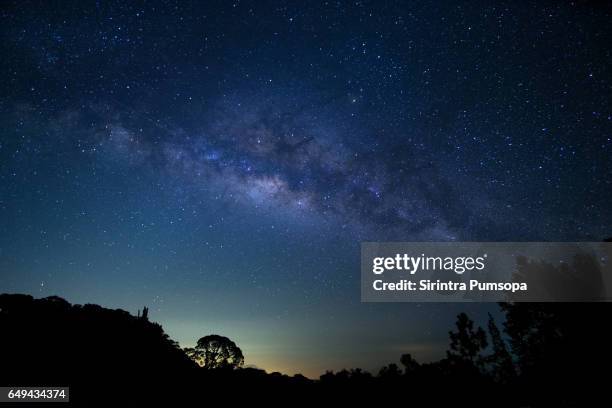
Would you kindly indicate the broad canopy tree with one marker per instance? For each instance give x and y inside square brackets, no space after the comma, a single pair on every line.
[214,352]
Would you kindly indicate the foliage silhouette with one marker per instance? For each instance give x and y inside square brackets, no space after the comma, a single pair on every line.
[467,344]
[216,352]
[409,363]
[502,366]
[561,349]
[49,341]
[546,355]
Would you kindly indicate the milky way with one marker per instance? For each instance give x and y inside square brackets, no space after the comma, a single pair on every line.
[294,159]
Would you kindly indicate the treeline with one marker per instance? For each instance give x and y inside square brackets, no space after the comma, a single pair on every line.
[544,354]
[540,355]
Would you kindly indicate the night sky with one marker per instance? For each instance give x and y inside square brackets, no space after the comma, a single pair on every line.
[221,161]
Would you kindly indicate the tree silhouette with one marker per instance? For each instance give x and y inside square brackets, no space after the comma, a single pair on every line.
[467,343]
[500,360]
[409,363]
[214,352]
[582,279]
[390,372]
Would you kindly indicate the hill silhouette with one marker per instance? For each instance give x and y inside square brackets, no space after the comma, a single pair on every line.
[544,354]
[48,341]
